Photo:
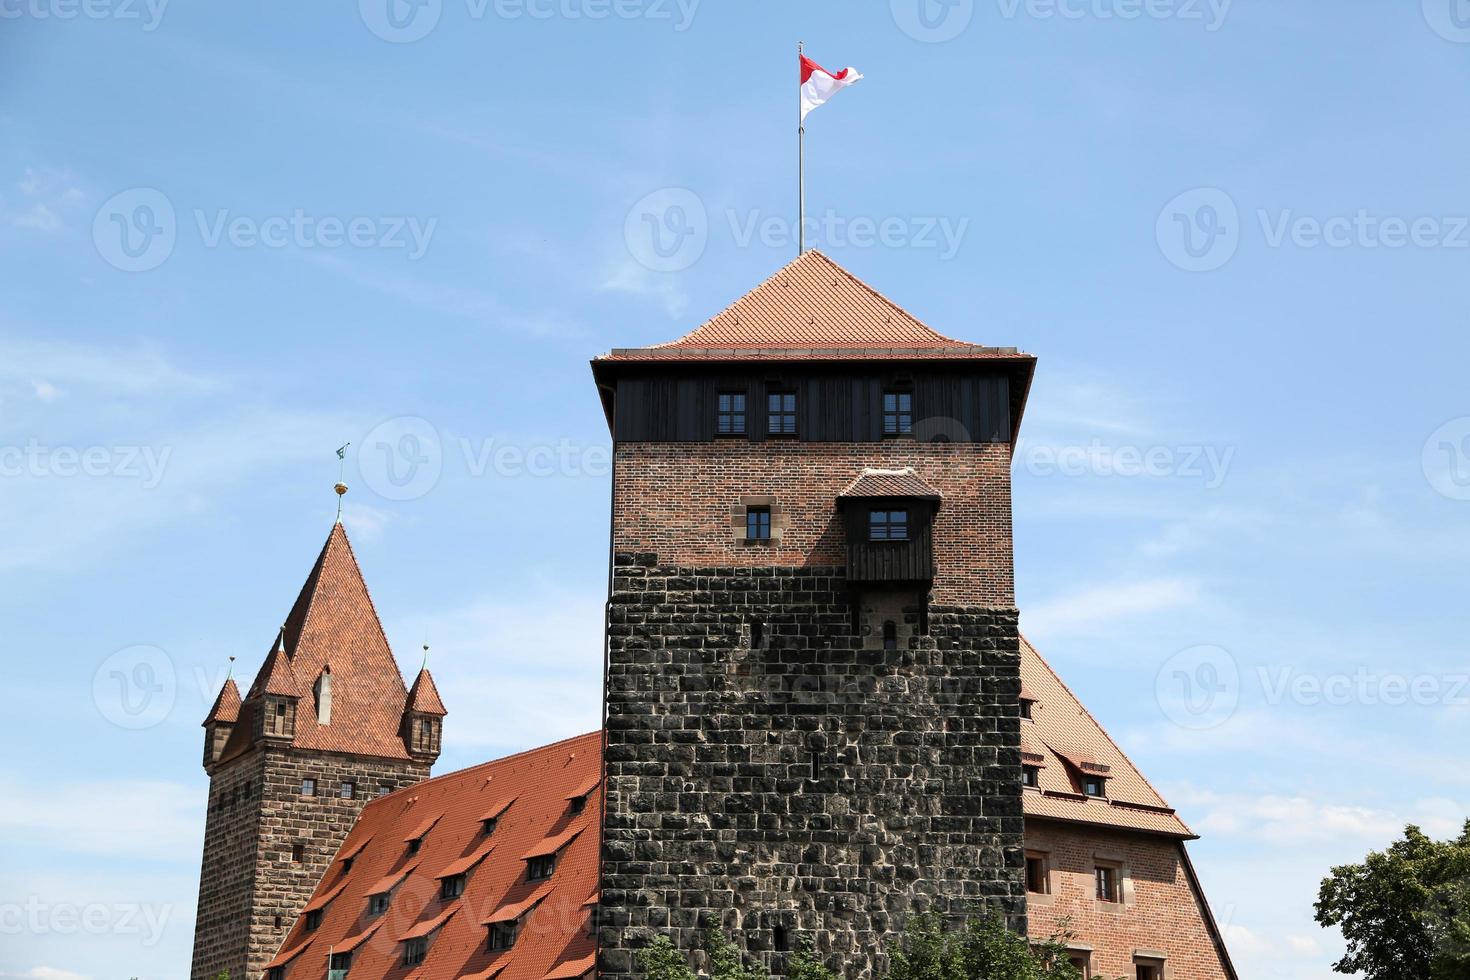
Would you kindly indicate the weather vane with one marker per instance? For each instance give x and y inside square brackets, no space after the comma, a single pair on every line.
[341,486]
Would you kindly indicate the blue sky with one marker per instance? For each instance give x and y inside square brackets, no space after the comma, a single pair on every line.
[237,236]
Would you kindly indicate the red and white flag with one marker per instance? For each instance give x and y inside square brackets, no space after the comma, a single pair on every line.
[818,84]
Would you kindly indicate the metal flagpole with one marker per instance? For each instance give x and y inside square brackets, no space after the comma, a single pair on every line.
[800,157]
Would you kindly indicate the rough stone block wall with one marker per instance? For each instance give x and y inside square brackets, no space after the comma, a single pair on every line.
[811,785]
[675,500]
[251,888]
[1160,911]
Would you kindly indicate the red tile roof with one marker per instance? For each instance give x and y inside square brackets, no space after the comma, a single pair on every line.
[1064,739]
[333,624]
[553,936]
[226,708]
[423,697]
[890,483]
[813,309]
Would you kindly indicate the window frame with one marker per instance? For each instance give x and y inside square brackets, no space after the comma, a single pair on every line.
[298,853]
[758,518]
[339,965]
[889,525]
[1043,871]
[1112,874]
[312,920]
[787,410]
[378,904]
[898,414]
[453,886]
[738,419]
[541,867]
[503,935]
[1088,780]
[1152,964]
[308,786]
[1030,776]
[415,950]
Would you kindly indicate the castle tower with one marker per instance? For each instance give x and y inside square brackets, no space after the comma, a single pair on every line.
[326,726]
[812,666]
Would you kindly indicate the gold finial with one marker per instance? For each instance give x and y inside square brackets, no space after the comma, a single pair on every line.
[341,487]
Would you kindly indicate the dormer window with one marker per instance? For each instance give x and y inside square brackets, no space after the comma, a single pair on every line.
[730,420]
[488,825]
[1096,786]
[378,904]
[888,525]
[414,951]
[452,887]
[338,966]
[313,920]
[576,805]
[414,845]
[1031,776]
[540,868]
[781,413]
[503,934]
[1026,705]
[898,413]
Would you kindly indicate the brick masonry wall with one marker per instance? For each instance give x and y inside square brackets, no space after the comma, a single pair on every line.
[1160,912]
[674,499]
[250,888]
[812,784]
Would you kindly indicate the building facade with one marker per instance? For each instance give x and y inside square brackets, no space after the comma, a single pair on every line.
[326,726]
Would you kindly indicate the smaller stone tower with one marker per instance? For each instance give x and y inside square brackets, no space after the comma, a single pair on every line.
[326,726]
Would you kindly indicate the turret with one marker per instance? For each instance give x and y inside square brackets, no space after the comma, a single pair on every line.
[423,719]
[275,695]
[221,722]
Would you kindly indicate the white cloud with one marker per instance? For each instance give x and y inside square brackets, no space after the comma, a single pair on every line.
[635,280]
[1099,605]
[47,973]
[159,821]
[39,218]
[45,391]
[365,522]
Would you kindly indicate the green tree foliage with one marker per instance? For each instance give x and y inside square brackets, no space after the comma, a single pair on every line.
[1405,912]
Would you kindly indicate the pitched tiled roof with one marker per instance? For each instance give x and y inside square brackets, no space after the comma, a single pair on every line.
[423,697]
[226,708]
[333,624]
[1065,740]
[555,937]
[890,483]
[813,309]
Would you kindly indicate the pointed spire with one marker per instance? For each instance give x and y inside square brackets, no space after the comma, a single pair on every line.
[276,676]
[423,697]
[226,708]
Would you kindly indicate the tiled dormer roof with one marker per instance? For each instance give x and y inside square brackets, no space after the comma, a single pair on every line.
[333,624]
[813,309]
[226,708]
[890,483]
[447,813]
[423,697]
[1065,740]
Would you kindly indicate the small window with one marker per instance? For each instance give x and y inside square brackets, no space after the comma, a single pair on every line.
[414,845]
[757,633]
[1031,776]
[731,415]
[890,635]
[1026,705]
[781,413]
[276,973]
[338,966]
[540,868]
[1081,961]
[1107,884]
[503,934]
[347,864]
[348,791]
[1036,876]
[298,853]
[489,825]
[757,523]
[898,413]
[384,789]
[378,904]
[414,950]
[576,805]
[308,787]
[313,920]
[452,887]
[1148,969]
[888,525]
[1094,786]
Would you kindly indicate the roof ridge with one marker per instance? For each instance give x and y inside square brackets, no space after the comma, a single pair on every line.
[1090,717]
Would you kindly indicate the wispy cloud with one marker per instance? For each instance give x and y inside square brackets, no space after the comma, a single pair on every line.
[628,277]
[158,821]
[1100,605]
